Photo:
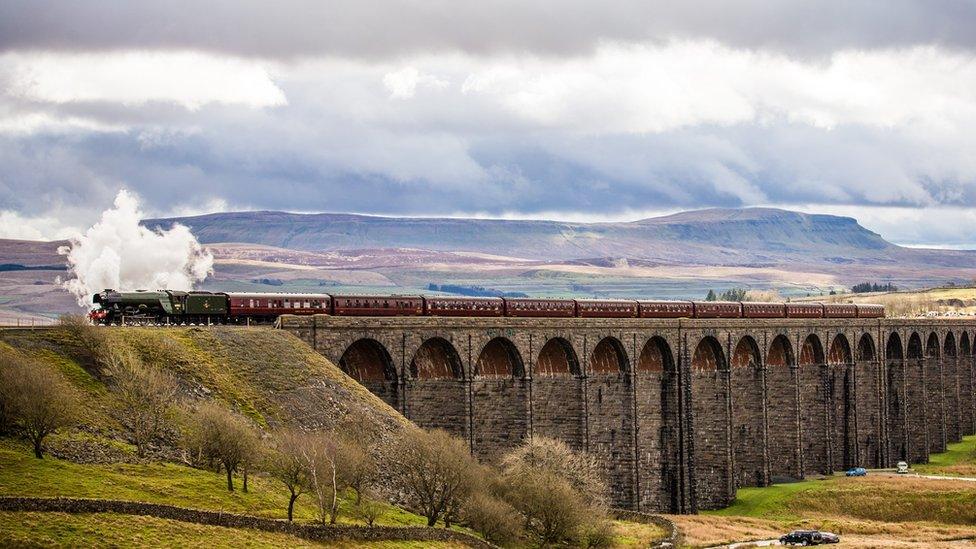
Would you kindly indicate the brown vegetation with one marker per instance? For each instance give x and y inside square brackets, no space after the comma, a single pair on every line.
[34,400]
[145,395]
[217,436]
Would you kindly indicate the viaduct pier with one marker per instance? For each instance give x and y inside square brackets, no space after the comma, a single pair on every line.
[682,412]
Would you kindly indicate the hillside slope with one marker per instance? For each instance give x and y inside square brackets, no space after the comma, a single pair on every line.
[268,375]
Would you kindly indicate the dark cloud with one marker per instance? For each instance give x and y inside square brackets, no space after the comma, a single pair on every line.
[390,28]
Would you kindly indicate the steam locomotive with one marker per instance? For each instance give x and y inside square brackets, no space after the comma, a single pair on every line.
[177,307]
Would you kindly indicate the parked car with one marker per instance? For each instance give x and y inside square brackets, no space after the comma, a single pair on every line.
[809,537]
[856,472]
[902,468]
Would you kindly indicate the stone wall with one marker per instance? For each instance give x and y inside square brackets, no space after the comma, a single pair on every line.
[678,412]
[313,532]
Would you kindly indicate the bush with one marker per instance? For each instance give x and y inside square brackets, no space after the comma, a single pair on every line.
[145,396]
[35,401]
[492,517]
[284,462]
[436,472]
[218,436]
[369,508]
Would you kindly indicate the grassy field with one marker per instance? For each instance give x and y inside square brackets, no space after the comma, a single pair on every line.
[959,459]
[112,530]
[912,303]
[876,510]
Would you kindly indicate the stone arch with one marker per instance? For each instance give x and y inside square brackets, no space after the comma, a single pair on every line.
[499,358]
[708,356]
[656,356]
[893,349]
[499,397]
[436,359]
[748,434]
[746,354]
[659,427]
[935,404]
[608,357]
[916,396]
[915,346]
[950,382]
[436,393]
[896,398]
[610,413]
[711,425]
[967,416]
[814,399]
[780,353]
[842,403]
[932,348]
[367,361]
[557,357]
[811,353]
[865,348]
[782,410]
[869,413]
[557,394]
[840,351]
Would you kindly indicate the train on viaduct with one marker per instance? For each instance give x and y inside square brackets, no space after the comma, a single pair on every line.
[680,412]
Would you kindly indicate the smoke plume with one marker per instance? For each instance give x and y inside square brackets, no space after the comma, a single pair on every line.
[119,253]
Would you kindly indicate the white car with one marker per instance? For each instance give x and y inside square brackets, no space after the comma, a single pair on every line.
[902,468]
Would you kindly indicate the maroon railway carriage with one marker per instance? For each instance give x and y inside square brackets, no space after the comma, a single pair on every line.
[666,309]
[756,309]
[804,310]
[718,309]
[548,308]
[269,306]
[870,311]
[840,310]
[606,308]
[464,306]
[377,305]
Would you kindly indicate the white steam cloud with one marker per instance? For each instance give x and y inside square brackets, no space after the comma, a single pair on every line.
[119,253]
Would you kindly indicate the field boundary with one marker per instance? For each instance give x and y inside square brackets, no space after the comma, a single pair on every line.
[312,532]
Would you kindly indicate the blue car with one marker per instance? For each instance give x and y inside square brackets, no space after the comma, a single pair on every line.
[856,472]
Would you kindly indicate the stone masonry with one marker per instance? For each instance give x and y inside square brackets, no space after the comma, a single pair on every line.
[680,413]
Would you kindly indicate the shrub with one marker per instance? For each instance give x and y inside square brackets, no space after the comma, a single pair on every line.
[369,508]
[35,401]
[218,436]
[492,517]
[284,462]
[436,472]
[145,396]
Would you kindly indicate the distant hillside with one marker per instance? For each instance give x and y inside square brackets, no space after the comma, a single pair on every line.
[751,237]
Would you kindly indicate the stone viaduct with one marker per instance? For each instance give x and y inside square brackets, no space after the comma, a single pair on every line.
[680,412]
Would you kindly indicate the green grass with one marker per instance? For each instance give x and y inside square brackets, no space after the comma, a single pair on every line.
[19,529]
[23,475]
[958,459]
[771,502]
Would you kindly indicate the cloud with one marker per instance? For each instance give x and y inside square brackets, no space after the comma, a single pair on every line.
[134,78]
[387,29]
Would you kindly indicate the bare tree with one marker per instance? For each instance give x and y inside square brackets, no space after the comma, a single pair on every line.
[321,458]
[285,462]
[219,436]
[560,494]
[492,517]
[90,339]
[358,468]
[36,401]
[369,508]
[435,471]
[144,395]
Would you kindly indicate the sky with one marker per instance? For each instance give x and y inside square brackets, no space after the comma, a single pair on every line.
[570,110]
